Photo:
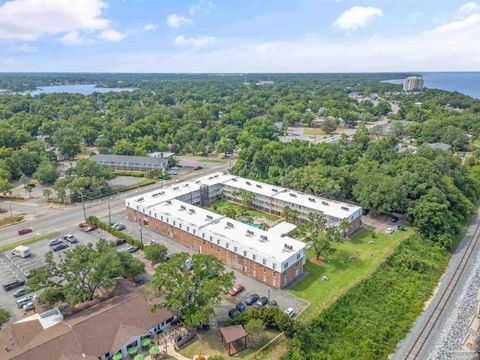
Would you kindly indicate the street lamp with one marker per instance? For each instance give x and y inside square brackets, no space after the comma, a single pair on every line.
[141,233]
[83,205]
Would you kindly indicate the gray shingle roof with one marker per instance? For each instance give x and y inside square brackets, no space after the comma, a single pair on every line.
[127,159]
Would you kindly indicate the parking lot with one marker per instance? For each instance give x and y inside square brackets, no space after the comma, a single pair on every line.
[252,286]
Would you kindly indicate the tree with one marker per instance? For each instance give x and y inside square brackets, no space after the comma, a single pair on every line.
[316,222]
[80,272]
[4,316]
[230,212]
[255,329]
[321,245]
[155,253]
[47,193]
[329,125]
[26,184]
[46,172]
[67,141]
[225,145]
[290,215]
[195,293]
[5,186]
[246,196]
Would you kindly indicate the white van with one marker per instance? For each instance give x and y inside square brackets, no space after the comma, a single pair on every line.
[22,251]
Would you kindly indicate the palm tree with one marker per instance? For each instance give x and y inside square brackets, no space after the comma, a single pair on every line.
[316,222]
[344,227]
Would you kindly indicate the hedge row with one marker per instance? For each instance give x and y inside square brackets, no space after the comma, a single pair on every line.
[93,220]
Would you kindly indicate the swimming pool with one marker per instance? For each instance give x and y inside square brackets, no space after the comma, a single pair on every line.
[258,226]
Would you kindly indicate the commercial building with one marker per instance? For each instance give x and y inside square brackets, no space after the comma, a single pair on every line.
[270,256]
[413,83]
[95,333]
[131,163]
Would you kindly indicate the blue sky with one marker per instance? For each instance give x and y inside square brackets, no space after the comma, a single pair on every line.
[239,35]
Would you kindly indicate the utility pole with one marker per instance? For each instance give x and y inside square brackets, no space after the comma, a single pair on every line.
[11,212]
[109,213]
[83,205]
[141,234]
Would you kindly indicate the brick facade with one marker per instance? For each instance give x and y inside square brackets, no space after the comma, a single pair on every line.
[234,260]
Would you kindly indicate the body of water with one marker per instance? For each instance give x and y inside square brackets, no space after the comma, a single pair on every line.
[467,83]
[84,89]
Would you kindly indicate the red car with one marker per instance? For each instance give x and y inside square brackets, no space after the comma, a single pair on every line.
[237,289]
[89,228]
[23,231]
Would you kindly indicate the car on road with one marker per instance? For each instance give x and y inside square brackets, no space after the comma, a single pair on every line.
[272,303]
[54,242]
[24,231]
[260,302]
[28,306]
[119,242]
[89,228]
[19,293]
[13,284]
[70,238]
[23,301]
[290,312]
[241,307]
[250,299]
[237,289]
[389,231]
[132,249]
[60,247]
[171,172]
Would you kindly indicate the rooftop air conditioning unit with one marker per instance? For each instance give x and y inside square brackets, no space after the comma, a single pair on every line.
[229,224]
[209,217]
[345,208]
[292,195]
[247,182]
[324,203]
[264,237]
[250,233]
[311,199]
[258,185]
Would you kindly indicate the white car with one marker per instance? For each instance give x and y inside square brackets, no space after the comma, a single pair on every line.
[290,312]
[389,231]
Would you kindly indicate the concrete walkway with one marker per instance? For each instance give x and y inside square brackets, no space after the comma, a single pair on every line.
[172,352]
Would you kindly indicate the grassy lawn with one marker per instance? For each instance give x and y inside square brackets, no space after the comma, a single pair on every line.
[11,220]
[29,241]
[341,272]
[220,205]
[215,161]
[210,343]
[313,131]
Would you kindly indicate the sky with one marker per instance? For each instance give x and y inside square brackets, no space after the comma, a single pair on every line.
[225,36]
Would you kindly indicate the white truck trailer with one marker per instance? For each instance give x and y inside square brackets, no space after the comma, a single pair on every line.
[22,251]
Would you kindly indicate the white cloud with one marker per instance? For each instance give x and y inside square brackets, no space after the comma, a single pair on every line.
[111,35]
[29,19]
[195,42]
[459,25]
[149,27]
[469,8]
[24,48]
[356,17]
[73,38]
[205,5]
[175,20]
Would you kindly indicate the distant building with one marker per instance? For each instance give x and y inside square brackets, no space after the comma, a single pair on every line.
[161,154]
[264,83]
[132,163]
[413,83]
[439,146]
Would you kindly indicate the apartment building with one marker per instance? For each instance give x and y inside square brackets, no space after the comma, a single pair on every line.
[270,256]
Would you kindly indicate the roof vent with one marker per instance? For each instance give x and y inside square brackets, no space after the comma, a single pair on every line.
[209,217]
[259,186]
[274,190]
[229,224]
[183,207]
[250,233]
[325,203]
[264,237]
[311,199]
[292,195]
[175,188]
[198,181]
[234,180]
[140,199]
[169,202]
[191,211]
[248,183]
[287,247]
[186,185]
[345,208]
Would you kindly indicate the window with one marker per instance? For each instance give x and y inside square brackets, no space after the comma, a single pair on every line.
[188,228]
[180,226]
[227,245]
[161,217]
[203,235]
[254,257]
[194,231]
[264,261]
[244,253]
[235,248]
[285,265]
[174,223]
[274,265]
[211,238]
[218,241]
[298,256]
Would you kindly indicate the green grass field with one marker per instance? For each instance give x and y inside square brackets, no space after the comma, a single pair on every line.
[210,343]
[220,205]
[9,220]
[343,273]
[29,241]
[214,161]
[313,131]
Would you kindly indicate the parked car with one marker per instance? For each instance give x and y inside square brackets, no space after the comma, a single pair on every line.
[364,212]
[402,228]
[13,284]
[174,168]
[24,231]
[60,247]
[198,167]
[250,299]
[394,219]
[70,238]
[54,242]
[241,307]
[290,312]
[118,226]
[232,312]
[237,289]
[150,242]
[19,293]
[139,282]
[171,172]
[89,228]
[189,264]
[183,340]
[132,249]
[272,303]
[119,242]
[23,301]
[171,256]
[389,231]
[260,302]
[28,306]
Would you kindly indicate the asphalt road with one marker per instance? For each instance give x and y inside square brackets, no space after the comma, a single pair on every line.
[44,219]
[436,332]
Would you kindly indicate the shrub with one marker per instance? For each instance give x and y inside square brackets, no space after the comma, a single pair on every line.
[93,220]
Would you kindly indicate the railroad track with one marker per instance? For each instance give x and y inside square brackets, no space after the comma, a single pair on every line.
[417,347]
